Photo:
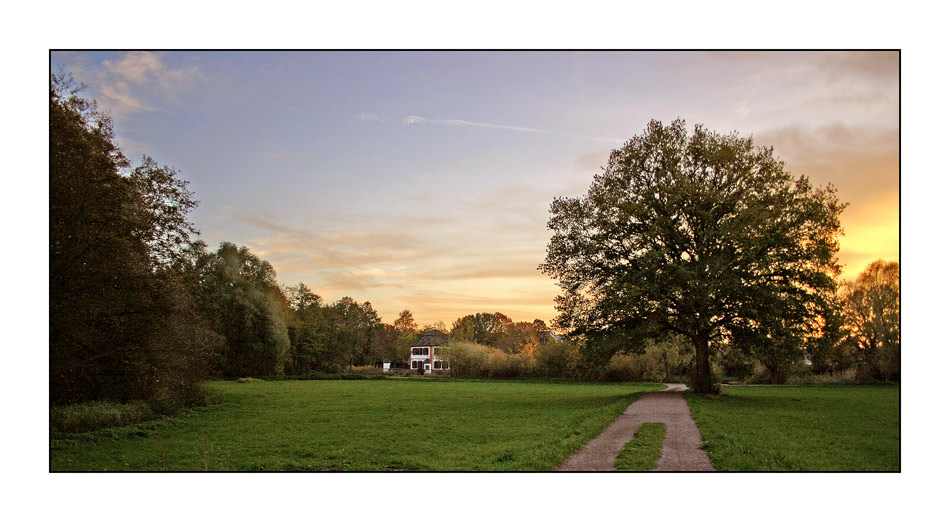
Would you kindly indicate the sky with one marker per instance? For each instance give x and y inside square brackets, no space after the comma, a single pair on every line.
[422,180]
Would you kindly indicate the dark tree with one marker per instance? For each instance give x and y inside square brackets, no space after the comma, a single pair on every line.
[355,329]
[122,325]
[238,293]
[872,307]
[700,234]
[308,331]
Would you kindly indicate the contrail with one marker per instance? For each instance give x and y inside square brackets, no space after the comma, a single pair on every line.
[410,120]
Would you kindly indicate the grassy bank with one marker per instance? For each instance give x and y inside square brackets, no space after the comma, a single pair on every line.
[364,425]
[807,428]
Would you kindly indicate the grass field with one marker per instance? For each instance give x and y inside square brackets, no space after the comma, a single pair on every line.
[646,448]
[363,425]
[830,428]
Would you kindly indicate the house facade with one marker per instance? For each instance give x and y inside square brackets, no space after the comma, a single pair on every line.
[429,352]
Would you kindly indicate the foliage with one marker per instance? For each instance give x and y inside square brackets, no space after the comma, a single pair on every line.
[849,376]
[122,324]
[405,322]
[354,328]
[238,293]
[872,310]
[704,235]
[559,359]
[94,415]
[468,359]
[644,450]
[499,331]
[665,360]
[834,428]
[368,425]
[307,332]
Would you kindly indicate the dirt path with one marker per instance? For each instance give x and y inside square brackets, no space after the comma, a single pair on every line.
[681,448]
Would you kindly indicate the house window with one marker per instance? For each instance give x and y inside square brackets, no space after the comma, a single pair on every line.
[437,365]
[420,351]
[415,365]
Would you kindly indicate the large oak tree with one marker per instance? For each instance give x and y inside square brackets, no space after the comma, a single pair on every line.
[701,234]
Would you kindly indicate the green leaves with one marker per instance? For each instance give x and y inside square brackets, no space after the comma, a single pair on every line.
[700,234]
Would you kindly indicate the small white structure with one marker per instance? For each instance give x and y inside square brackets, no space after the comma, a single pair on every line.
[428,352]
[386,365]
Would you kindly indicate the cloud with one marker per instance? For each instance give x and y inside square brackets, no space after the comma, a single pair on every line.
[296,249]
[592,161]
[415,120]
[875,65]
[369,116]
[138,81]
[863,163]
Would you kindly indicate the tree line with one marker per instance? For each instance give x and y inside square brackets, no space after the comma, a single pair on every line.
[142,309]
[689,256]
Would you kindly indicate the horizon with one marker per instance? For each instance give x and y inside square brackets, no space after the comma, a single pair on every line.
[422,180]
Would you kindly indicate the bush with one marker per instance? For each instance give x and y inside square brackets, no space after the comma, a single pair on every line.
[320,376]
[365,370]
[560,359]
[627,367]
[849,376]
[468,359]
[95,415]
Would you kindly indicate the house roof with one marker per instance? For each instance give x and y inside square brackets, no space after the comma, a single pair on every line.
[432,338]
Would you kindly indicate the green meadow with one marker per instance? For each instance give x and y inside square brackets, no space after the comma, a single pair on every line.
[395,424]
[818,428]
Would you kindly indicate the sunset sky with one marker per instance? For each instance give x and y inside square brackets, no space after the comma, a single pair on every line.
[422,180]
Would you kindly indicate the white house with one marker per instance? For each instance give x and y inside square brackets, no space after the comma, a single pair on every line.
[428,352]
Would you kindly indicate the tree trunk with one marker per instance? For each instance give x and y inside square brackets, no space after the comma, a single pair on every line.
[702,378]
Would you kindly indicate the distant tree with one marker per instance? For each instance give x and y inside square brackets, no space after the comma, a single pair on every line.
[463,330]
[239,294]
[703,235]
[438,325]
[829,350]
[307,330]
[301,298]
[872,308]
[354,332]
[404,333]
[405,322]
[544,333]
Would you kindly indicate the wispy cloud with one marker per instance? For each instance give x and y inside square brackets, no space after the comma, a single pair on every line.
[136,82]
[369,116]
[414,120]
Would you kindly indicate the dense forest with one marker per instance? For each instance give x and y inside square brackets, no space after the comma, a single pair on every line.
[142,310]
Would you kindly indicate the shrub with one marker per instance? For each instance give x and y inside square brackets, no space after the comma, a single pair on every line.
[95,415]
[558,359]
[849,376]
[365,370]
[627,367]
[468,359]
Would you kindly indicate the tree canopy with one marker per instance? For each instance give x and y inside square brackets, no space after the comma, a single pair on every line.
[701,234]
[872,307]
[121,323]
